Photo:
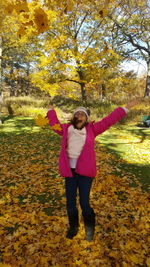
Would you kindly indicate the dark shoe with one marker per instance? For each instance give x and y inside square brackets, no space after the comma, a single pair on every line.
[74,225]
[89,223]
[72,232]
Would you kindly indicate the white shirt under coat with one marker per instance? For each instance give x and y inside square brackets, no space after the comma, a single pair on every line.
[76,140]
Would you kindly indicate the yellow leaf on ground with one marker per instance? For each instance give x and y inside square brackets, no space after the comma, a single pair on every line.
[148,262]
[134,258]
[5,265]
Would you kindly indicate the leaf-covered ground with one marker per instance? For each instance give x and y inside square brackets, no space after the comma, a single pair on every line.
[33,219]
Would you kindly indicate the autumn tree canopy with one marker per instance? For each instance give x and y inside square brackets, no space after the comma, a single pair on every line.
[81,42]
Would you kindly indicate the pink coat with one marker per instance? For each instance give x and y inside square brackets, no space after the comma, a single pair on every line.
[86,163]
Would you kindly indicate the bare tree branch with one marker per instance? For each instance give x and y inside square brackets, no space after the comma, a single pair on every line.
[90,37]
[130,38]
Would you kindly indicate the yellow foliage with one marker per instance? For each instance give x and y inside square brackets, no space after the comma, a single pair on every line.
[148,262]
[41,80]
[22,31]
[103,12]
[8,8]
[32,17]
[132,244]
[134,258]
[21,6]
[45,60]
[56,127]
[5,265]
[41,121]
[40,19]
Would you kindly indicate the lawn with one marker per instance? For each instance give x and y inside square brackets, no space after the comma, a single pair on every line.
[131,145]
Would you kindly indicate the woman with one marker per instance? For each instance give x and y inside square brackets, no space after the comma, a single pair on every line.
[77,161]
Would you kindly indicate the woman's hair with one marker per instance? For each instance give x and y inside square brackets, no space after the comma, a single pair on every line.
[73,121]
[88,112]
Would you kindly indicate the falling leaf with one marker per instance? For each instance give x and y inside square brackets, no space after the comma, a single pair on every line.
[41,20]
[103,12]
[56,127]
[41,121]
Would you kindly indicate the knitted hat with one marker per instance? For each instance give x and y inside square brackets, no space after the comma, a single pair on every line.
[83,109]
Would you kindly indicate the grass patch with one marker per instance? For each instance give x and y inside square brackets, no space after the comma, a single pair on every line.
[128,143]
[26,154]
[18,125]
[131,145]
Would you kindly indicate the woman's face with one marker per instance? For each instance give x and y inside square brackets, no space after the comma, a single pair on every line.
[80,118]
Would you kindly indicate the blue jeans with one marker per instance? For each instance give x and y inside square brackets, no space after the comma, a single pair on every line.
[72,184]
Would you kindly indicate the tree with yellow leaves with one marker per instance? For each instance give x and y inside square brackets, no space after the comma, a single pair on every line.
[71,32]
[73,43]
[74,50]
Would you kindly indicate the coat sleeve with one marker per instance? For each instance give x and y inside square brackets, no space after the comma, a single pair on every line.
[54,122]
[114,117]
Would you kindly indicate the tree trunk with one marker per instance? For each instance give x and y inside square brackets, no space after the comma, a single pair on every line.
[1,104]
[147,88]
[27,83]
[79,69]
[82,84]
[83,93]
[12,92]
[103,92]
[12,88]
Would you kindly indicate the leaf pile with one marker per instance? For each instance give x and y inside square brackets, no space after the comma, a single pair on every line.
[33,218]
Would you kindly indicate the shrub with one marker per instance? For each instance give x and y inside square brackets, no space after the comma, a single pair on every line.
[27,100]
[26,105]
[29,111]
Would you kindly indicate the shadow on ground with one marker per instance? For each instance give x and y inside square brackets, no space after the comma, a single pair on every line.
[139,170]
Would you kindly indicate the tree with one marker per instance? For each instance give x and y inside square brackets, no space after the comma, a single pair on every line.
[131,32]
[75,49]
[18,57]
[74,39]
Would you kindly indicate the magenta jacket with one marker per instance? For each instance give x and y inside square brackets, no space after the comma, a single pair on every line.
[86,164]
